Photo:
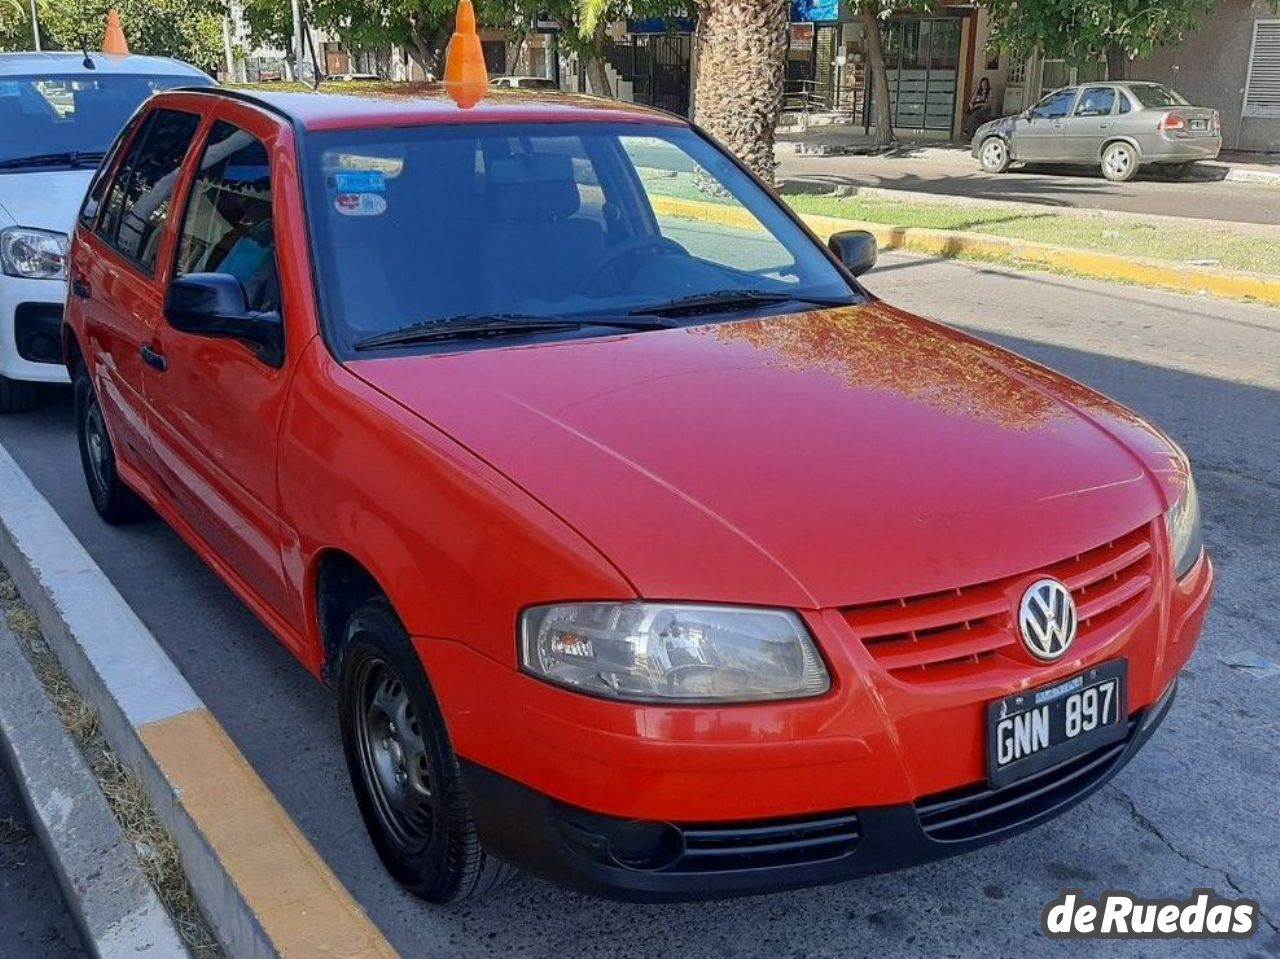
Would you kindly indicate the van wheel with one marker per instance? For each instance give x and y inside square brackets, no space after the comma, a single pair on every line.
[994,155]
[403,769]
[18,396]
[115,502]
[1119,162]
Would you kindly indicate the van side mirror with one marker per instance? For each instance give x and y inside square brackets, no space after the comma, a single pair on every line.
[856,249]
[214,304]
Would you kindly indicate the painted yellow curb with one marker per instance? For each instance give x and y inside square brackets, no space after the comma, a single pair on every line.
[300,905]
[1162,274]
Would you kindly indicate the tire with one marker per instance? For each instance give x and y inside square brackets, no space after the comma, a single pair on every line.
[18,396]
[993,155]
[403,769]
[115,502]
[1119,162]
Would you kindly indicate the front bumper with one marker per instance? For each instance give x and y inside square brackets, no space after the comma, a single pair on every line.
[636,860]
[31,309]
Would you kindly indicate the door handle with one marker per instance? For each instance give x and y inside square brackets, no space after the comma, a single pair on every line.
[154,359]
[80,287]
[1104,126]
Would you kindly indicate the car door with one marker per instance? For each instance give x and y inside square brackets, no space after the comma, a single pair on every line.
[114,275]
[1037,133]
[214,404]
[1089,124]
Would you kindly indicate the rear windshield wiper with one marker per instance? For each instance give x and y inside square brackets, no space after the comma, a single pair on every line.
[70,158]
[721,300]
[471,325]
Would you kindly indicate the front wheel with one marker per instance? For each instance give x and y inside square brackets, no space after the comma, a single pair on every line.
[1119,162]
[994,155]
[114,501]
[406,776]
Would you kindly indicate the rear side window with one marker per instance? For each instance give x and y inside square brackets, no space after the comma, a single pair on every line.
[1096,102]
[137,203]
[228,227]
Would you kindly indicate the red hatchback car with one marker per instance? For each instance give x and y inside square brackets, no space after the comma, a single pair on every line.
[645,548]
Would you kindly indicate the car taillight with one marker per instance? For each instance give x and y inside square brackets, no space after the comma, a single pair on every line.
[1172,122]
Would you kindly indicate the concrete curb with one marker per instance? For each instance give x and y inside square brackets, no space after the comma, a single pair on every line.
[118,912]
[259,882]
[1159,274]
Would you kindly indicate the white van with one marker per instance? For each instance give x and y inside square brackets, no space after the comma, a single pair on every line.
[59,112]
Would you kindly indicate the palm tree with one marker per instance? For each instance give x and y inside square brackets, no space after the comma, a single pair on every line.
[741,60]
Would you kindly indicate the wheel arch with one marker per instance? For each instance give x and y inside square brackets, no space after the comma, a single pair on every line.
[72,354]
[339,584]
[1120,138]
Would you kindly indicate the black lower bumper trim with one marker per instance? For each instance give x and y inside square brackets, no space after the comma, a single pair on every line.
[654,861]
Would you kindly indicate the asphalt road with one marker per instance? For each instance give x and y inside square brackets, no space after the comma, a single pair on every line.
[1197,808]
[34,922]
[1150,192]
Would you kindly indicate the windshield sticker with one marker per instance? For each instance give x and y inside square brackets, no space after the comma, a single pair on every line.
[389,167]
[9,88]
[360,204]
[360,181]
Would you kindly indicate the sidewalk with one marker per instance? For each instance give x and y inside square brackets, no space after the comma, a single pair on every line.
[844,140]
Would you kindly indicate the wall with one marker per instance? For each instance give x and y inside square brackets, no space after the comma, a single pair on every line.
[1209,68]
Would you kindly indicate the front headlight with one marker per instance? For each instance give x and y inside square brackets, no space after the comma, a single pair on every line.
[1183,520]
[673,652]
[33,254]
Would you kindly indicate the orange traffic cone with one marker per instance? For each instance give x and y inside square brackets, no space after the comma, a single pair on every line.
[465,76]
[114,42]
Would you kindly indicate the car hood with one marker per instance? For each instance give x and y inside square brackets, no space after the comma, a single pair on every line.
[45,199]
[812,460]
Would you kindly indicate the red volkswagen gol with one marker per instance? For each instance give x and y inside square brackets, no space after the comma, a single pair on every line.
[646,549]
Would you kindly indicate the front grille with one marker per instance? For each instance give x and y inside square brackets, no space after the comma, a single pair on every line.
[769,843]
[37,329]
[953,634]
[977,811]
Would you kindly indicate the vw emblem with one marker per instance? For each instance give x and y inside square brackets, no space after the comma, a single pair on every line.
[1047,619]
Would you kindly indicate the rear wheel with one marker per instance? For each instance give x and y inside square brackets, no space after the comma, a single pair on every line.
[114,501]
[994,155]
[18,396]
[405,774]
[1119,162]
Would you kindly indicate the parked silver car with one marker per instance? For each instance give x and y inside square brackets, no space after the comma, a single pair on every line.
[1119,125]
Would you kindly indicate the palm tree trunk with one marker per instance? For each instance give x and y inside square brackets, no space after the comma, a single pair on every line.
[597,75]
[742,48]
[879,76]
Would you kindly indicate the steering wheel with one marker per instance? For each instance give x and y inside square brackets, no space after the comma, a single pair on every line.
[627,248]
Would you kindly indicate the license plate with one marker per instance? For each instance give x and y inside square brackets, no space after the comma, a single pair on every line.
[1199,124]
[1049,725]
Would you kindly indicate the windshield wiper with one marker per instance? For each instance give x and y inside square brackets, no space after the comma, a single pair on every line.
[470,325]
[722,300]
[69,158]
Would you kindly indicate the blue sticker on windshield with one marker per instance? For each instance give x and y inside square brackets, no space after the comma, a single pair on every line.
[360,181]
[9,88]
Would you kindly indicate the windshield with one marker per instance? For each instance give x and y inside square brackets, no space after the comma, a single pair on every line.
[1154,95]
[46,116]
[546,220]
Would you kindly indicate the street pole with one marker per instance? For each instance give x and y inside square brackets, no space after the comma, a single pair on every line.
[227,51]
[299,51]
[35,26]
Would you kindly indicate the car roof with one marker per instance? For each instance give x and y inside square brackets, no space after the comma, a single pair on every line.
[68,63]
[413,104]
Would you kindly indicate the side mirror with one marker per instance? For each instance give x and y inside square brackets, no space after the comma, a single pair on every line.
[856,249]
[214,304]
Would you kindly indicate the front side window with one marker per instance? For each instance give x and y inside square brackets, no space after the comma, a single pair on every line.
[1056,105]
[1096,102]
[60,121]
[138,200]
[543,220]
[228,226]
[1156,96]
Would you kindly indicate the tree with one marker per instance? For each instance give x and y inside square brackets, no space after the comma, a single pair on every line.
[1080,31]
[741,61]
[190,30]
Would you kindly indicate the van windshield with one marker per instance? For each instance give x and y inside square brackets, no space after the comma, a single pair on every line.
[69,120]
[546,221]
